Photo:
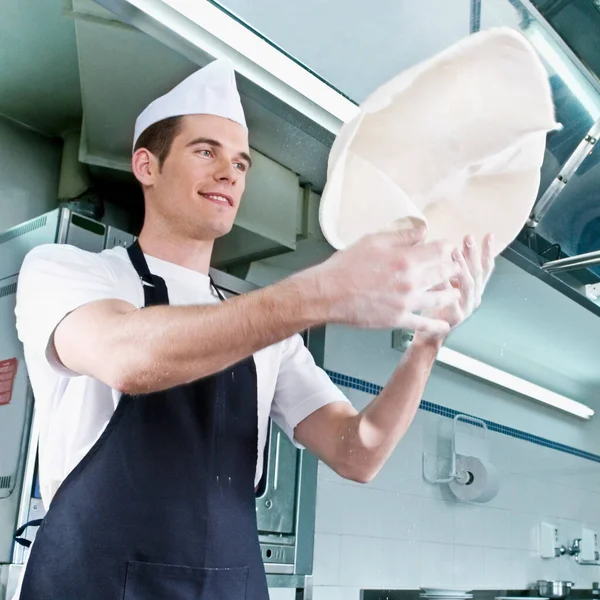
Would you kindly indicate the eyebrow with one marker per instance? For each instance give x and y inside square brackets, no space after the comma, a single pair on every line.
[217,144]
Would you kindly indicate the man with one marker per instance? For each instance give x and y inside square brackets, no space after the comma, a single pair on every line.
[154,396]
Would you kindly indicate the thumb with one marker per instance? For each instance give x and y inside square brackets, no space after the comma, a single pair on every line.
[411,237]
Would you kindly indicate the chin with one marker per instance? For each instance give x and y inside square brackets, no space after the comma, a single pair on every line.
[216,231]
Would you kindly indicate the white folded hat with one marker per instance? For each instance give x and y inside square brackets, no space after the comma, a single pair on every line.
[211,90]
[455,143]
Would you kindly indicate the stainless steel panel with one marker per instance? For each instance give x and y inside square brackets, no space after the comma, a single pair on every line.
[275,506]
[85,233]
[16,242]
[231,284]
[302,583]
[116,237]
[9,579]
[278,554]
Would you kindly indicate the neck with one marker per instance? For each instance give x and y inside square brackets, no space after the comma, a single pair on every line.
[189,253]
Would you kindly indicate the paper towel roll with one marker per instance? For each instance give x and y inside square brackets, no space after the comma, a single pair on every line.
[483,480]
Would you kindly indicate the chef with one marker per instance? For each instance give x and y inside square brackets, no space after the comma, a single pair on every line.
[153,393]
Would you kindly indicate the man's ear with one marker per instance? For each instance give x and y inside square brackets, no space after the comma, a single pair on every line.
[145,166]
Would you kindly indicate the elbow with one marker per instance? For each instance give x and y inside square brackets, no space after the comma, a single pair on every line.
[130,375]
[125,385]
[356,474]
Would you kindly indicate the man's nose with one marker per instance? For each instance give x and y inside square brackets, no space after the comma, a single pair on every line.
[225,171]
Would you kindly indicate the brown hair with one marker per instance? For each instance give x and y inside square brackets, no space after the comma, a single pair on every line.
[159,137]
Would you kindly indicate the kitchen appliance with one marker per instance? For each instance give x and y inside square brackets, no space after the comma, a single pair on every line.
[286,495]
[554,589]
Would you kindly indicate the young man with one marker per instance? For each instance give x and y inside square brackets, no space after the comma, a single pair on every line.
[154,396]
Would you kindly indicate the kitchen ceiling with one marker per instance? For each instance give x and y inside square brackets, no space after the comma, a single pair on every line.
[53,65]
[39,81]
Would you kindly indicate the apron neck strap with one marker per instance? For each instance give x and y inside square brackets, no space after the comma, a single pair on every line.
[155,289]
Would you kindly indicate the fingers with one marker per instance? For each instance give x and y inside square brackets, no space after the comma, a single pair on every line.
[433,300]
[472,256]
[402,237]
[467,285]
[435,275]
[410,237]
[432,253]
[487,258]
[426,325]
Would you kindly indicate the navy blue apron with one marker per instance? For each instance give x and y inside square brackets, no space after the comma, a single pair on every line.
[162,507]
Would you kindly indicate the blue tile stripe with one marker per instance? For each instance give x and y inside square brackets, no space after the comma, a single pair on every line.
[373,389]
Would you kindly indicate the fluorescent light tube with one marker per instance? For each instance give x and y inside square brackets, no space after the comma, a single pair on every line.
[511,382]
[208,27]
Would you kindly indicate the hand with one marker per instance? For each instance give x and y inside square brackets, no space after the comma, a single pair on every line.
[475,271]
[382,280]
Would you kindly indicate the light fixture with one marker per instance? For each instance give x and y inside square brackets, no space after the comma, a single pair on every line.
[202,25]
[510,382]
[564,68]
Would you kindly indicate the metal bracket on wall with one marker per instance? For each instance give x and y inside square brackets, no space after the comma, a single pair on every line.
[475,15]
[583,150]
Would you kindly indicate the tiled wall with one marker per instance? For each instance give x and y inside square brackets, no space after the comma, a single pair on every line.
[401,532]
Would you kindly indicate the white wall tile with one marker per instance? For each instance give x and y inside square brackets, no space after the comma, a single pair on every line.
[360,561]
[470,525]
[379,563]
[469,567]
[519,575]
[403,472]
[571,571]
[327,559]
[402,561]
[498,567]
[525,531]
[400,516]
[437,565]
[497,527]
[329,517]
[437,521]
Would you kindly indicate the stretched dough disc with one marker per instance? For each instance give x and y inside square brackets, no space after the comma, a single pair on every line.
[455,143]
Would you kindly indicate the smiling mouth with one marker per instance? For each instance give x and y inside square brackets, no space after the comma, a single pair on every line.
[219,199]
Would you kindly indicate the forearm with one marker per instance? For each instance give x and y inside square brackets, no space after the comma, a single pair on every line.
[163,346]
[376,431]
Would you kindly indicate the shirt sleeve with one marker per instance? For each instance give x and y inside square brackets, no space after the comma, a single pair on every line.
[302,387]
[54,280]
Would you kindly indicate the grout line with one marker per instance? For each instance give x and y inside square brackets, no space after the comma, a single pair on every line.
[372,388]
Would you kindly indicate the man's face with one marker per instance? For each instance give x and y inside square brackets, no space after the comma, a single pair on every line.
[199,188]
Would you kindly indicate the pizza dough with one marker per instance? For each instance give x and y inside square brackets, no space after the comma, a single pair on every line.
[455,143]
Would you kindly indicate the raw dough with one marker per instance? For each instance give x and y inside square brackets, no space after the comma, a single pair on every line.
[456,143]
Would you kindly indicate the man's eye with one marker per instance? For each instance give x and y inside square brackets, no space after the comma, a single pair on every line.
[207,153]
[240,166]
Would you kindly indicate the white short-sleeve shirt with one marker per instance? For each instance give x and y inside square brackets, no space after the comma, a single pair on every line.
[73,409]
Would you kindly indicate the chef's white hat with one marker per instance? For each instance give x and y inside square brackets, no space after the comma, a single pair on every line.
[454,143]
[211,90]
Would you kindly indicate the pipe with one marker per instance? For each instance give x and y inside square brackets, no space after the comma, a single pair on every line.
[475,15]
[573,263]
